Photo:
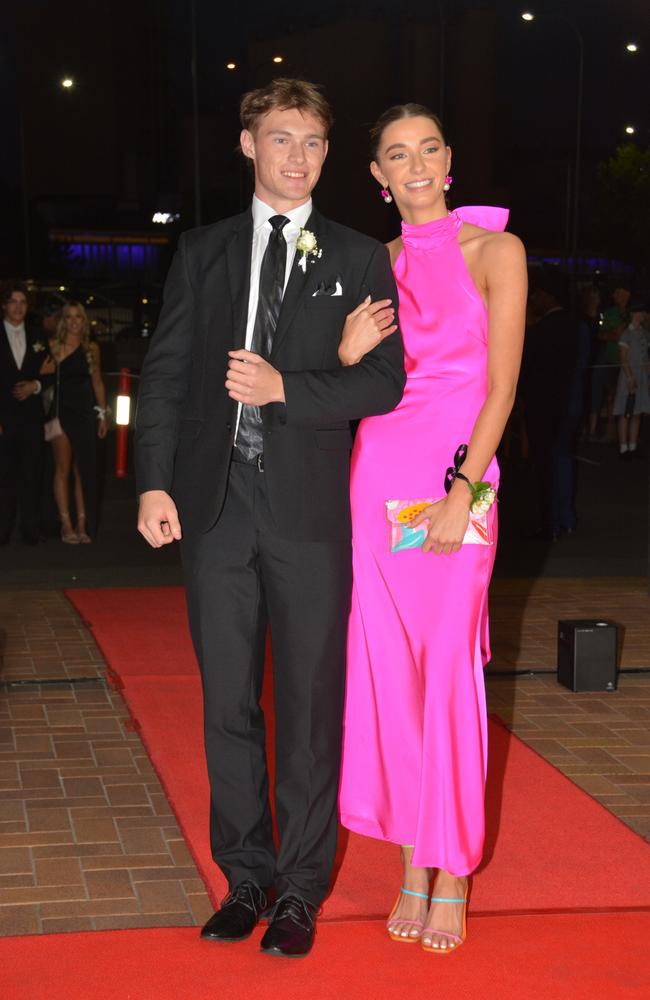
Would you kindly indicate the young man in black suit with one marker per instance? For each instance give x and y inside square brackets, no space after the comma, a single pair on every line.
[253,476]
[23,351]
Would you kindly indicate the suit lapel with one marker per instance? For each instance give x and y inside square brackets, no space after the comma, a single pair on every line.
[238,256]
[30,340]
[8,351]
[299,279]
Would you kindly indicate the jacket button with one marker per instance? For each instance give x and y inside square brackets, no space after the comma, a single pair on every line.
[228,427]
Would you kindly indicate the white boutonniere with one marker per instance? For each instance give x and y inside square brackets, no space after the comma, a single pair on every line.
[308,246]
[38,346]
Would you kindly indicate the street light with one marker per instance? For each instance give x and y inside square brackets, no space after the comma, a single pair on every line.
[632,47]
[528,16]
[441,60]
[67,83]
[196,143]
[164,218]
[276,59]
[630,129]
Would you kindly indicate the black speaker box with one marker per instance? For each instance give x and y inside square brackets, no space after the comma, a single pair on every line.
[587,655]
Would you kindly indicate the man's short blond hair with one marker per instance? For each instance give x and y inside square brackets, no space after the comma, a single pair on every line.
[283,94]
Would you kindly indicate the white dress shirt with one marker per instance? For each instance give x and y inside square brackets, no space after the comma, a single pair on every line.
[17,338]
[17,341]
[261,231]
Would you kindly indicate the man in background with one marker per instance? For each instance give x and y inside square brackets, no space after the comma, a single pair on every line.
[23,353]
[605,376]
[548,386]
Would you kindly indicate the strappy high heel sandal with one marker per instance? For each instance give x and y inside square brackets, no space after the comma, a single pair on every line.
[411,924]
[455,940]
[68,534]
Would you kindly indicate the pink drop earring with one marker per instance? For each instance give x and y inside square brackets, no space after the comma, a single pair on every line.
[387,196]
[449,180]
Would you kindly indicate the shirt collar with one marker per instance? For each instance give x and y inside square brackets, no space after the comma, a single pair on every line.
[10,328]
[263,212]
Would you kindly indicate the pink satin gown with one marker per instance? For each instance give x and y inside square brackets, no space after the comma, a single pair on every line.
[415,742]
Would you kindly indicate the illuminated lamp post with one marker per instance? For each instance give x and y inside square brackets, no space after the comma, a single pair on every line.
[529,16]
[122,418]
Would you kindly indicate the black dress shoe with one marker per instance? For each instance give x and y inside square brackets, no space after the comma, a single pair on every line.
[291,929]
[239,914]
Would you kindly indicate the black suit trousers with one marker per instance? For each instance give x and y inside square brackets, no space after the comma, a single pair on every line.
[240,576]
[21,471]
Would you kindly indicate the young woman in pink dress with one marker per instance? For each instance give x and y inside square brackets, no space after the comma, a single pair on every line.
[415,753]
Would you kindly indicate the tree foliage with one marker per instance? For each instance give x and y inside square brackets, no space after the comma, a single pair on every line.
[624,205]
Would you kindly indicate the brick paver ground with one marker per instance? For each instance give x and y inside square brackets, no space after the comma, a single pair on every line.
[87,838]
[599,740]
[524,616]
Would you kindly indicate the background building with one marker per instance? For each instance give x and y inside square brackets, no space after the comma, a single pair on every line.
[100,157]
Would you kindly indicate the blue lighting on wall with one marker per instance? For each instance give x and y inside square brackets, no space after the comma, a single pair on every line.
[121,257]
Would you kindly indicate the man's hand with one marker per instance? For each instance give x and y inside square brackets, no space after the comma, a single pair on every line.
[252,380]
[158,518]
[23,390]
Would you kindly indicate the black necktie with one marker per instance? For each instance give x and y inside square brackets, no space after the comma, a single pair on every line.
[249,442]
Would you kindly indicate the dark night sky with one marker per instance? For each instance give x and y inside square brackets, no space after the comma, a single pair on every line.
[510,97]
[537,65]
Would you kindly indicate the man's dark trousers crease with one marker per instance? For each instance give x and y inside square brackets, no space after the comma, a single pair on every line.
[241,575]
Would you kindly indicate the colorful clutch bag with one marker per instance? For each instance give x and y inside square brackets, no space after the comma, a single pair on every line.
[400,513]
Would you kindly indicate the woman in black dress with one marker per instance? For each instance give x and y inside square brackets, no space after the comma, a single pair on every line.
[80,404]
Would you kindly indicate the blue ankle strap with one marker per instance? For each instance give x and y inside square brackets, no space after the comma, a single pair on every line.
[442,899]
[420,895]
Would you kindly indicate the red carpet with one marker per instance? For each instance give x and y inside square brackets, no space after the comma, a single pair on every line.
[117,616]
[550,848]
[550,957]
[549,845]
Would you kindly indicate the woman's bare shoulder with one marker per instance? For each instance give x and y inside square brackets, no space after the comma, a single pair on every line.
[394,248]
[488,237]
[490,247]
[503,247]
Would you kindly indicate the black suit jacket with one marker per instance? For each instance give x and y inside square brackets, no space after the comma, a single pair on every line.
[548,367]
[186,421]
[15,415]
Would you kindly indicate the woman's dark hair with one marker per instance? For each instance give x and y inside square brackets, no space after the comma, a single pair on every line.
[395,114]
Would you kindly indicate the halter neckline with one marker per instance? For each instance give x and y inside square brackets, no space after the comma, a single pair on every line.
[433,234]
[439,232]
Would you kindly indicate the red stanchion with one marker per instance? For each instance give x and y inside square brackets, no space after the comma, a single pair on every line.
[122,420]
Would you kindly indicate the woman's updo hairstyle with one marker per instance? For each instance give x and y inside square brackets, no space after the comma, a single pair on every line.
[395,114]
